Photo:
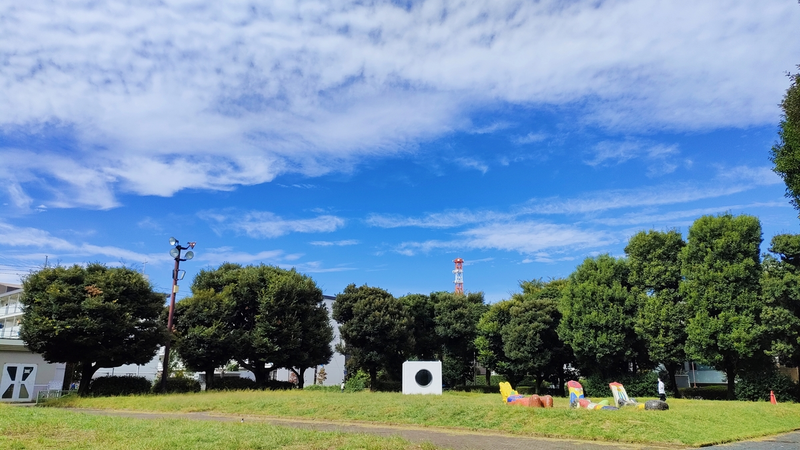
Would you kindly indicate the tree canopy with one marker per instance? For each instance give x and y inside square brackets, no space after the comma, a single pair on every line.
[655,276]
[722,268]
[276,317]
[598,313]
[780,285]
[375,328]
[786,152]
[457,317]
[95,316]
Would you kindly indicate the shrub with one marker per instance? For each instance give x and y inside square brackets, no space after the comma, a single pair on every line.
[177,385]
[758,384]
[275,385]
[388,386]
[478,388]
[233,384]
[319,387]
[356,382]
[643,384]
[708,392]
[116,385]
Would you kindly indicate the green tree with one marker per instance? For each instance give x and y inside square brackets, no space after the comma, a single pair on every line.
[203,332]
[95,316]
[722,270]
[530,340]
[457,317]
[293,314]
[780,284]
[655,275]
[375,328]
[489,344]
[277,317]
[426,344]
[786,152]
[598,317]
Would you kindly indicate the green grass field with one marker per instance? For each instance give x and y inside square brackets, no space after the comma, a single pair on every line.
[48,428]
[688,422]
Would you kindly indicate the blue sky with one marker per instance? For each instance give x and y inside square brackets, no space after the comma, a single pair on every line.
[375,142]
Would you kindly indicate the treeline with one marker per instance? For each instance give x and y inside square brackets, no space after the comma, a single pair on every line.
[710,299]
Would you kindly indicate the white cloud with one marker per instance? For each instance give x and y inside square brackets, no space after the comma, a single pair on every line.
[342,243]
[524,237]
[671,217]
[26,237]
[530,138]
[153,98]
[262,224]
[448,219]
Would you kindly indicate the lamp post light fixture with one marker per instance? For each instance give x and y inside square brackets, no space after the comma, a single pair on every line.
[175,253]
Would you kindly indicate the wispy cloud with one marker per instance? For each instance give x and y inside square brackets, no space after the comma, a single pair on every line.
[530,138]
[312,87]
[661,158]
[447,219]
[342,243]
[262,224]
[669,218]
[524,237]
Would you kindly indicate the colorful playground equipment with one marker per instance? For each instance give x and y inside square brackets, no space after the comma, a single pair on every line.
[577,400]
[621,398]
[534,401]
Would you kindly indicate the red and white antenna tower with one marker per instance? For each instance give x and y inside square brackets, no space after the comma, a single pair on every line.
[459,275]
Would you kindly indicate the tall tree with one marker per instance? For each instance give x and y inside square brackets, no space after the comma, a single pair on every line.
[277,317]
[598,316]
[426,344]
[786,152]
[780,285]
[457,317]
[375,328]
[722,269]
[293,315]
[96,316]
[530,340]
[655,275]
[204,332]
[489,346]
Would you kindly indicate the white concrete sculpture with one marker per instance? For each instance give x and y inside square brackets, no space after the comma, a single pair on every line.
[422,377]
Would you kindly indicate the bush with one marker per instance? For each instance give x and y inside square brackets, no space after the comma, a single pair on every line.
[643,384]
[709,392]
[275,385]
[124,385]
[177,385]
[356,382]
[757,385]
[319,387]
[388,386]
[233,384]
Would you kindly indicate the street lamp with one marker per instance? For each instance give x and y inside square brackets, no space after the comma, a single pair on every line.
[175,253]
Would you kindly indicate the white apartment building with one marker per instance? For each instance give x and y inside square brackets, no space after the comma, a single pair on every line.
[24,373]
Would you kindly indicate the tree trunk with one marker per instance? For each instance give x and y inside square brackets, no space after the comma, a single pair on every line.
[87,372]
[373,378]
[69,370]
[671,369]
[730,373]
[209,378]
[299,374]
[539,381]
[488,376]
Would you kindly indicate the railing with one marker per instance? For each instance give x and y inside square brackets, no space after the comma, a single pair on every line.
[9,333]
[51,393]
[14,308]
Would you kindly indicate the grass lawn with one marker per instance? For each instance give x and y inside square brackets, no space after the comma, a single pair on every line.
[48,428]
[688,422]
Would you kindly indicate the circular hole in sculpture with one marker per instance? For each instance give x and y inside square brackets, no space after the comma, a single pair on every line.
[423,377]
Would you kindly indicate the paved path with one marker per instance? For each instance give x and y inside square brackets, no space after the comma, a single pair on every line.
[456,439]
